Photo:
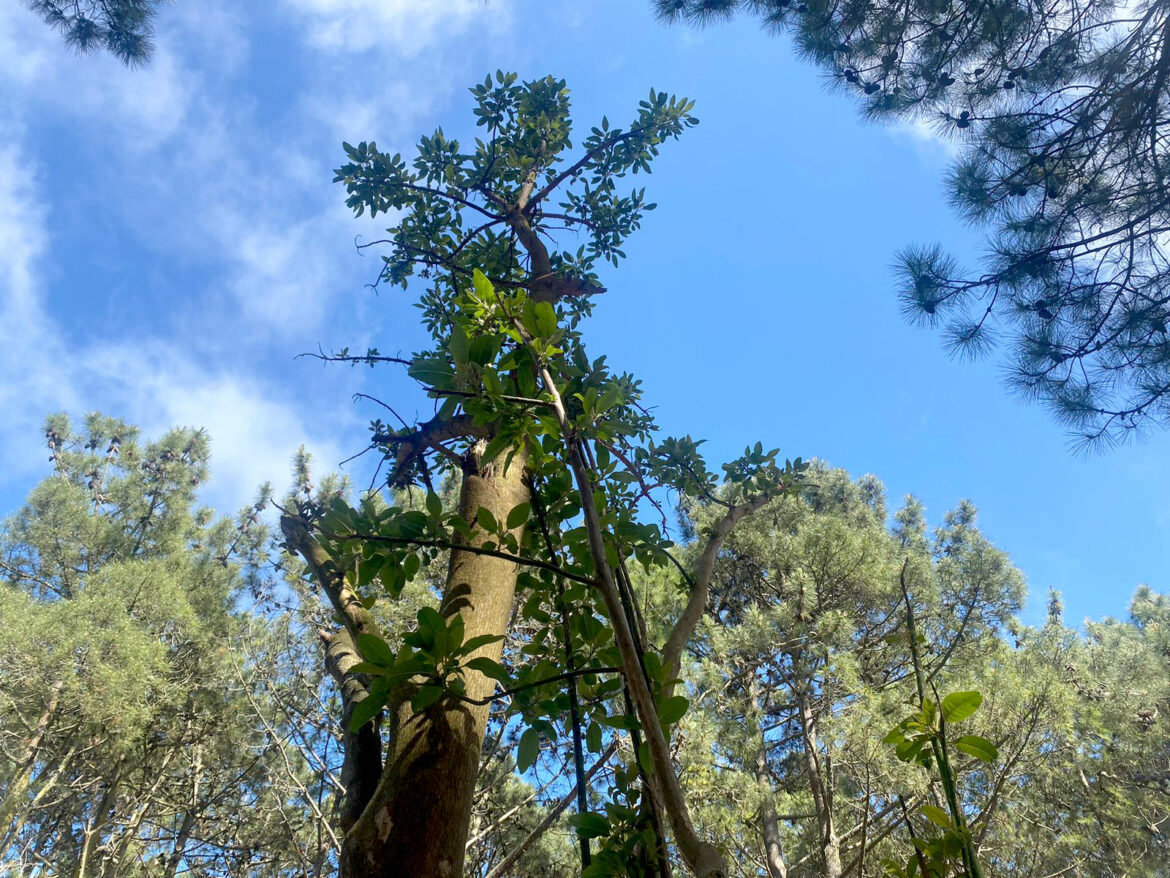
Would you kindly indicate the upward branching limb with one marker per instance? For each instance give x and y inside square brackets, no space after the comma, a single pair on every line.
[362,764]
[701,857]
[700,585]
[356,618]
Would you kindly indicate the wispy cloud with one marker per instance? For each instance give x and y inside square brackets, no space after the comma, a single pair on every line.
[405,27]
[32,357]
[930,142]
[212,197]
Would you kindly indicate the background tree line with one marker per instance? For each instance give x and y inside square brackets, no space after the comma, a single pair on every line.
[166,708]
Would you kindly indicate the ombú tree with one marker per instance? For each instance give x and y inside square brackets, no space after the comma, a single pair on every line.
[556,458]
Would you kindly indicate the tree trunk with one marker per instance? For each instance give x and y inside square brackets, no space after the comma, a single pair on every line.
[821,790]
[769,823]
[417,821]
[190,816]
[91,835]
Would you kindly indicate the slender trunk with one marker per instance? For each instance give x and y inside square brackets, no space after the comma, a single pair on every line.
[821,790]
[129,832]
[417,820]
[92,834]
[769,822]
[362,764]
[189,818]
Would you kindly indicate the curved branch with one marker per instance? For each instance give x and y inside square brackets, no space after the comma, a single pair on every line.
[701,582]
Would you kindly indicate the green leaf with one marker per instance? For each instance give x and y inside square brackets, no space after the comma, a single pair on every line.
[495,446]
[410,566]
[644,760]
[895,736]
[488,668]
[908,751]
[434,505]
[409,524]
[480,640]
[483,287]
[593,738]
[620,721]
[429,618]
[425,697]
[546,319]
[937,816]
[364,711]
[374,649]
[518,515]
[957,706]
[589,824]
[458,344]
[454,639]
[431,371]
[672,710]
[486,520]
[981,748]
[366,668]
[528,750]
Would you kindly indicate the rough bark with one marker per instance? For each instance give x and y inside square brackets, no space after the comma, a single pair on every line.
[417,820]
[190,817]
[92,833]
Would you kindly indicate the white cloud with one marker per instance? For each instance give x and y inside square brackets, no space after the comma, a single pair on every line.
[145,106]
[215,31]
[254,429]
[928,140]
[222,193]
[156,382]
[33,360]
[402,26]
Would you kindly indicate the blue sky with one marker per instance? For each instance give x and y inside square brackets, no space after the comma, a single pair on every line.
[170,240]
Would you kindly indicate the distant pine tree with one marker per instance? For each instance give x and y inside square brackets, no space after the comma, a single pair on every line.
[1061,109]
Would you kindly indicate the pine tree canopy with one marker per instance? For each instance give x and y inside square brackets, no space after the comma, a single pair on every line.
[122,27]
[1058,109]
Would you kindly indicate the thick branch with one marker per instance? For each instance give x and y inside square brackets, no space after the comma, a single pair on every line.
[701,857]
[354,616]
[701,584]
[426,436]
[363,749]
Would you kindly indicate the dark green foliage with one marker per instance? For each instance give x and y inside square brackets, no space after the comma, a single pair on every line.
[123,28]
[1060,107]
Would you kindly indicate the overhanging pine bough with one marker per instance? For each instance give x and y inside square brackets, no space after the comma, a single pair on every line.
[1061,109]
[520,408]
